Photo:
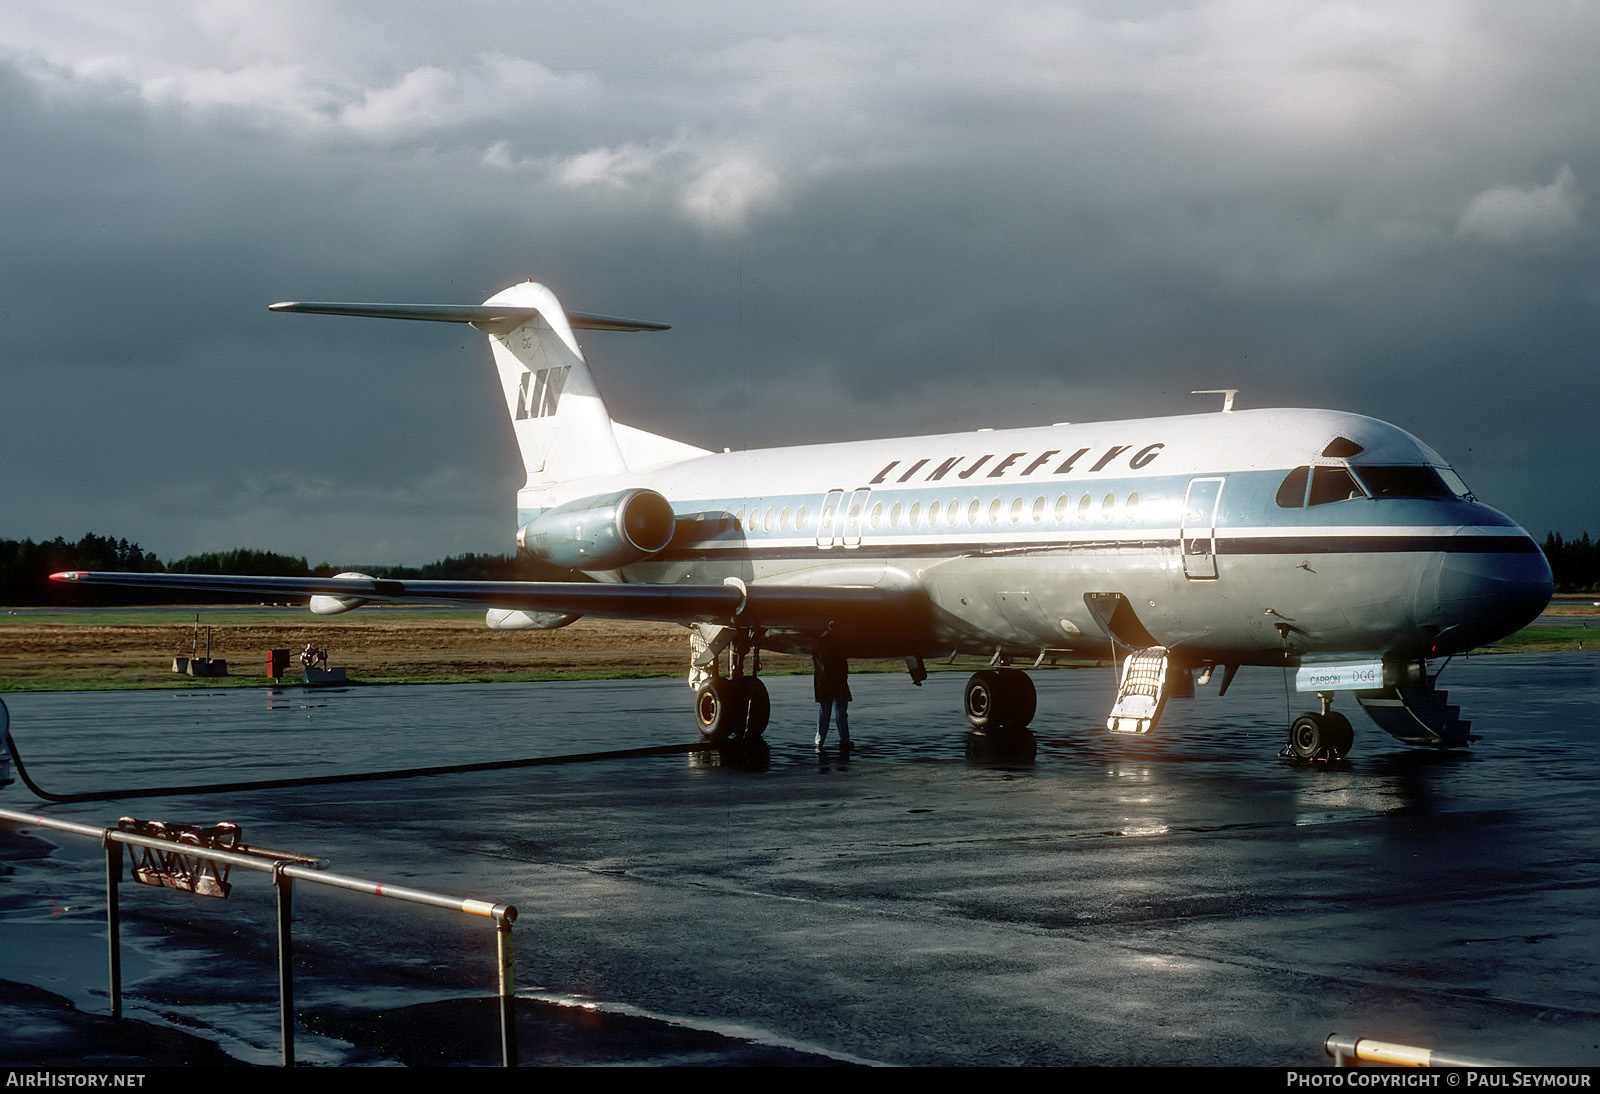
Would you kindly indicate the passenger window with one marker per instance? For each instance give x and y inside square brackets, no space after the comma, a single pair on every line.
[1016,511]
[1083,507]
[1130,508]
[1292,494]
[973,510]
[1038,509]
[1061,508]
[933,513]
[877,513]
[894,516]
[913,513]
[800,518]
[1330,484]
[1108,506]
[994,511]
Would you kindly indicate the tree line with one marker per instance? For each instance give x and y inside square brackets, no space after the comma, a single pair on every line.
[26,566]
[1575,562]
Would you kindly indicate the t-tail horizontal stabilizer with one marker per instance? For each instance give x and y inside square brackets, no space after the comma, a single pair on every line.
[486,317]
[560,420]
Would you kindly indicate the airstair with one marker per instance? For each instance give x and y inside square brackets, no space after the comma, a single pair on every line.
[1417,715]
[1142,693]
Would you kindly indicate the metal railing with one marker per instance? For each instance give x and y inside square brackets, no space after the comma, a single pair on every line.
[1350,1050]
[286,868]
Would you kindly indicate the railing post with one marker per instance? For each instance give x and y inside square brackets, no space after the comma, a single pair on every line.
[285,887]
[507,985]
[113,920]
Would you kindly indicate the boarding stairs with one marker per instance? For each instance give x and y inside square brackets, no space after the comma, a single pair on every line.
[1142,693]
[1417,715]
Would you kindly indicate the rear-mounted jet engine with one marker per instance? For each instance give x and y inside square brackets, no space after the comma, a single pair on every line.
[606,532]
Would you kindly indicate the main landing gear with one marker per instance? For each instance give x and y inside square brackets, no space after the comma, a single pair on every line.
[734,707]
[999,703]
[1320,735]
[1000,699]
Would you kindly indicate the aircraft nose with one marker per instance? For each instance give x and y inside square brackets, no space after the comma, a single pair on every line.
[1484,596]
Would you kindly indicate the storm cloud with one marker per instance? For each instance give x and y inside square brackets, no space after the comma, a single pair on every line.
[860,219]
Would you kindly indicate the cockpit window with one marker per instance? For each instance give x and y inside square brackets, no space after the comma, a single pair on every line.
[1404,482]
[1322,485]
[1456,485]
[1318,486]
[1292,494]
[1329,484]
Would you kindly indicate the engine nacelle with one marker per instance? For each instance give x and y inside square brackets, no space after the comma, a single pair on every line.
[509,619]
[337,605]
[605,532]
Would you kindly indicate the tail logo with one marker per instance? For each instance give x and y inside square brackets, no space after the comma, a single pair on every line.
[540,392]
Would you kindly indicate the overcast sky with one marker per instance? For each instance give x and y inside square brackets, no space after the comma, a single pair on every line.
[860,218]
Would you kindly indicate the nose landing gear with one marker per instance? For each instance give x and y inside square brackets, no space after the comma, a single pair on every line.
[1320,735]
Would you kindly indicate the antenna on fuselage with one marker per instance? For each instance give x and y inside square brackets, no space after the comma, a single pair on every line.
[1227,394]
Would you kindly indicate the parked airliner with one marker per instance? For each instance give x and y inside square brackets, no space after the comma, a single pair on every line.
[1334,544]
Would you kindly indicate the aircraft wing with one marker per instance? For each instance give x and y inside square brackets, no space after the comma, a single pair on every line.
[786,607]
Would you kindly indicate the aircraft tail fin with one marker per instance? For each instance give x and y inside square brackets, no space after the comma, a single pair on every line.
[561,422]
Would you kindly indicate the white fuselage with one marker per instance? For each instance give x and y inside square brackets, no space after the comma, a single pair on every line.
[1015,535]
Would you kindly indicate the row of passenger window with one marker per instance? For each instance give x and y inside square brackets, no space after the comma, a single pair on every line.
[971,513]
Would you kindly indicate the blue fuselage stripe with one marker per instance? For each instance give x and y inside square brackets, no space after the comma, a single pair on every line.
[1259,545]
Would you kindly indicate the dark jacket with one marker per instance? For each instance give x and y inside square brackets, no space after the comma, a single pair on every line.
[831,681]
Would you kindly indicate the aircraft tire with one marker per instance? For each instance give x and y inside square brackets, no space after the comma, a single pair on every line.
[718,709]
[983,701]
[1321,736]
[1339,736]
[1305,736]
[758,707]
[1021,698]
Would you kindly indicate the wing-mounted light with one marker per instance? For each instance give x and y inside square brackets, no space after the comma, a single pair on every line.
[338,605]
[605,532]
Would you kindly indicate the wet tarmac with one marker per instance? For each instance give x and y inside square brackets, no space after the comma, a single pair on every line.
[1184,899]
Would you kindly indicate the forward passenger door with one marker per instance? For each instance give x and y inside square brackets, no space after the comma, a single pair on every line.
[1197,535]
